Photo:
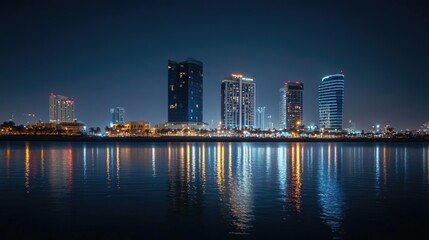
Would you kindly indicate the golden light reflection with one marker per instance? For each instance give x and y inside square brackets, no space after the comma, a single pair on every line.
[220,176]
[69,168]
[181,162]
[118,166]
[42,160]
[188,163]
[27,167]
[193,163]
[203,165]
[296,177]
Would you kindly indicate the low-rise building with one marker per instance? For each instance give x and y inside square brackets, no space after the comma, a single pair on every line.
[132,128]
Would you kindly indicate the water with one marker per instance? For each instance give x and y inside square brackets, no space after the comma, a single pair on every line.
[214,190]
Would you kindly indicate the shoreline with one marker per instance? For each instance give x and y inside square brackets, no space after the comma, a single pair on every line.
[198,139]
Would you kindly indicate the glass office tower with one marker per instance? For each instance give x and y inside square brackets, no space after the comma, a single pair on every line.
[331,102]
[185,91]
[117,116]
[291,105]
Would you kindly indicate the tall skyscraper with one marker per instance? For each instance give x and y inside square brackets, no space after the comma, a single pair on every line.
[260,118]
[61,109]
[117,116]
[238,102]
[331,102]
[291,105]
[185,91]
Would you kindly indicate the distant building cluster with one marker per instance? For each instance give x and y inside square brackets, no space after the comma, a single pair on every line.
[239,114]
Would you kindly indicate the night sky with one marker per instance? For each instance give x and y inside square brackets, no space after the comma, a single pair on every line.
[115,54]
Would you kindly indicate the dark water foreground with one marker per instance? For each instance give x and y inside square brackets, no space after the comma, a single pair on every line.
[214,190]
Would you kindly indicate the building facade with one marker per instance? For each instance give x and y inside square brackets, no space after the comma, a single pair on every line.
[185,91]
[260,118]
[238,102]
[117,116]
[291,105]
[331,102]
[133,128]
[61,109]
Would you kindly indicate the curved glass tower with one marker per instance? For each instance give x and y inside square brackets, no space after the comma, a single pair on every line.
[331,102]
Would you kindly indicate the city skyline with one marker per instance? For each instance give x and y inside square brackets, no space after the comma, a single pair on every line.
[115,55]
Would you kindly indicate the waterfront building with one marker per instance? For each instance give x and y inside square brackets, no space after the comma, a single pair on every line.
[260,118]
[238,102]
[138,128]
[185,91]
[291,105]
[331,102]
[117,116]
[72,128]
[61,109]
[132,128]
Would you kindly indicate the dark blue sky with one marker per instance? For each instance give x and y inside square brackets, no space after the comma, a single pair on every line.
[115,54]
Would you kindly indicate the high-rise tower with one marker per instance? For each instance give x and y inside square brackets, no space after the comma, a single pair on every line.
[260,118]
[238,102]
[331,102]
[61,109]
[117,115]
[291,105]
[185,91]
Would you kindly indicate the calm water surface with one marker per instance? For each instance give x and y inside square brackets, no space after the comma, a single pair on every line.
[214,190]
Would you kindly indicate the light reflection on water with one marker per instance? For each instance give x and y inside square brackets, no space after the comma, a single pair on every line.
[234,189]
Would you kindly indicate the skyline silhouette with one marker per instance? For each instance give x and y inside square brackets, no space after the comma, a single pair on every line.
[107,54]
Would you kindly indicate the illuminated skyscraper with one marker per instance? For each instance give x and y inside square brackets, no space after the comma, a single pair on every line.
[238,102]
[61,109]
[331,102]
[291,105]
[117,115]
[260,118]
[185,91]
